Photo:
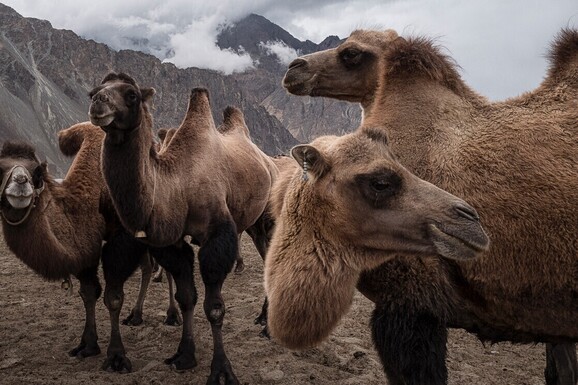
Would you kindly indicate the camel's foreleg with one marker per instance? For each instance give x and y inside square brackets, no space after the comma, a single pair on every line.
[216,259]
[179,262]
[561,365]
[135,316]
[411,345]
[90,291]
[120,258]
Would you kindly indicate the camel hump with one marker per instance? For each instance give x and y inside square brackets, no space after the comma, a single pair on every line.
[233,119]
[70,139]
[563,54]
[199,110]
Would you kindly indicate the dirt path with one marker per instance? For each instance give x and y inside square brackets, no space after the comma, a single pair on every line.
[39,324]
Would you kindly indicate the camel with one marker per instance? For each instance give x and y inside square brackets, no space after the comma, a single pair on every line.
[515,161]
[351,208]
[208,184]
[56,228]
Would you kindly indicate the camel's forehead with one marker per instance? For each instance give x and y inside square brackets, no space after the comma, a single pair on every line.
[371,37]
[359,151]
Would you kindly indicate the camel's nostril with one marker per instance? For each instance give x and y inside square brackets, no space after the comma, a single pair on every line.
[21,179]
[297,63]
[466,211]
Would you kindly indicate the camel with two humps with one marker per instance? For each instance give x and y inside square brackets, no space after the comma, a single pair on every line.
[58,228]
[208,184]
[515,161]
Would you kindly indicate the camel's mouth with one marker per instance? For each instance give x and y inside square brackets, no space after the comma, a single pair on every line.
[19,202]
[102,120]
[299,84]
[459,244]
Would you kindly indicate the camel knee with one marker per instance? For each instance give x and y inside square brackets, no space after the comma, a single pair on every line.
[113,300]
[215,312]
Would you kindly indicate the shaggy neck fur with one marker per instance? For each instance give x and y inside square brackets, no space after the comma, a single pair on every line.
[310,294]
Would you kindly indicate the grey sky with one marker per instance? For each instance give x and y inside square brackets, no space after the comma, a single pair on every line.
[500,44]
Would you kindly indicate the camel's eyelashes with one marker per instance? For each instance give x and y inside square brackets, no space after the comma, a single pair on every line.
[378,188]
[351,57]
[131,97]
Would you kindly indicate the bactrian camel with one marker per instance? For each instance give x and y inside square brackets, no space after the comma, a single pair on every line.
[515,161]
[351,208]
[57,229]
[208,184]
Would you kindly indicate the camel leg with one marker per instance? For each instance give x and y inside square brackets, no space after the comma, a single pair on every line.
[135,316]
[120,258]
[411,346]
[240,265]
[561,365]
[260,234]
[173,316]
[90,291]
[216,259]
[179,261]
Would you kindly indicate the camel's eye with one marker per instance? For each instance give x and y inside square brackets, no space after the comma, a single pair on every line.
[380,187]
[351,57]
[131,97]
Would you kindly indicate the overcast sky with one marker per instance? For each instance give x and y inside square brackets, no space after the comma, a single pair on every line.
[500,44]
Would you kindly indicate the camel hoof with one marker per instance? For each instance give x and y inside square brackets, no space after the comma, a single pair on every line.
[181,361]
[240,267]
[262,319]
[222,370]
[117,363]
[133,319]
[173,319]
[265,333]
[83,351]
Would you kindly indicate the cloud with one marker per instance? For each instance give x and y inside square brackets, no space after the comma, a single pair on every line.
[499,44]
[284,53]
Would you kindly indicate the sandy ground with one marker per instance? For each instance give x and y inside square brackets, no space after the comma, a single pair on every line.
[39,323]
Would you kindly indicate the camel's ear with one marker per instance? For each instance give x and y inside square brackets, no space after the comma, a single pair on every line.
[147,94]
[311,160]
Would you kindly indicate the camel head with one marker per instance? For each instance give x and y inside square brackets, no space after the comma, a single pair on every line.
[23,178]
[349,72]
[357,194]
[119,104]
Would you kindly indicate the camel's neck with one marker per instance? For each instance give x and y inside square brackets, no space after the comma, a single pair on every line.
[129,170]
[46,240]
[309,284]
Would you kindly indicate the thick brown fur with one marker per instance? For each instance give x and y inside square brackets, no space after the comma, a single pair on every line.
[515,161]
[335,223]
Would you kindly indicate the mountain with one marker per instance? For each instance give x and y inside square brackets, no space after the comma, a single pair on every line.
[46,73]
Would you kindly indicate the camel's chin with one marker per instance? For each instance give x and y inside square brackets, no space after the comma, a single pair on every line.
[19,202]
[102,121]
[451,246]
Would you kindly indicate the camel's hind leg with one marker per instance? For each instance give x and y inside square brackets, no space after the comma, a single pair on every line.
[261,233]
[120,258]
[216,259]
[561,365]
[179,262]
[173,316]
[90,291]
[135,316]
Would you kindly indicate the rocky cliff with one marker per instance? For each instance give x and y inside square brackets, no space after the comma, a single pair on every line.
[45,75]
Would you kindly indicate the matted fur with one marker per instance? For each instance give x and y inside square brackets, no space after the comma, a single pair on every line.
[515,161]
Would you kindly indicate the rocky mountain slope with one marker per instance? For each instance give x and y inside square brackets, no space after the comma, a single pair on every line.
[45,75]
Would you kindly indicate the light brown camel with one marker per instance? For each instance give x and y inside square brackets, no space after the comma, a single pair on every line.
[516,161]
[351,208]
[208,184]
[56,228]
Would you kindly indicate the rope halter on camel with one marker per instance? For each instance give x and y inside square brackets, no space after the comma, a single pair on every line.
[35,194]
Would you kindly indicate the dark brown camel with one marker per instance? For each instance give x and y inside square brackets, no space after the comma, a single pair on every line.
[515,161]
[57,228]
[208,184]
